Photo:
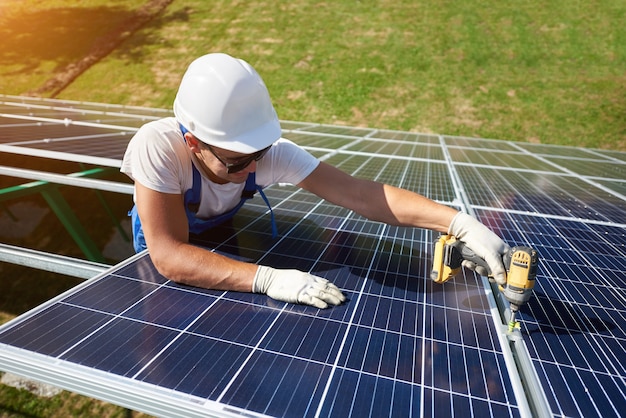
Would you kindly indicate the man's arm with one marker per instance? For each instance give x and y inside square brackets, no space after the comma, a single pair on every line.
[377,201]
[394,206]
[166,230]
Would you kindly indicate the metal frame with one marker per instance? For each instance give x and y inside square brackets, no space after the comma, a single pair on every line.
[51,262]
[524,379]
[59,205]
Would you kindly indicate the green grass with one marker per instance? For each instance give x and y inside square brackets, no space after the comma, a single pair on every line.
[530,71]
[16,403]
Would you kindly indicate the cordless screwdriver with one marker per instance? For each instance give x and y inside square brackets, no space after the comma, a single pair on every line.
[520,263]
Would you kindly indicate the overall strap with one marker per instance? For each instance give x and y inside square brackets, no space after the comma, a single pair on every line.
[248,193]
[267,202]
[192,203]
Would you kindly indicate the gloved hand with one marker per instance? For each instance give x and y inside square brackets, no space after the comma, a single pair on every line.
[296,286]
[486,244]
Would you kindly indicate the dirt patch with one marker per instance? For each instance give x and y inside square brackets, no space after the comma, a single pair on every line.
[33,386]
[102,47]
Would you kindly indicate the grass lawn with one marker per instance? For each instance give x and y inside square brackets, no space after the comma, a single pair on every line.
[530,71]
[18,403]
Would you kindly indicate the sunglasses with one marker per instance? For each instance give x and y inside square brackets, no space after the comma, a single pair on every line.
[240,163]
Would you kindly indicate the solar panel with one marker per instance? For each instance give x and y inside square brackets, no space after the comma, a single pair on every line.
[400,345]
[83,132]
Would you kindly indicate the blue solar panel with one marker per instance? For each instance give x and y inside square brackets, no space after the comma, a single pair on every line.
[401,345]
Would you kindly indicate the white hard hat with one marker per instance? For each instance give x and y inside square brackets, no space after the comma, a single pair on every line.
[223,102]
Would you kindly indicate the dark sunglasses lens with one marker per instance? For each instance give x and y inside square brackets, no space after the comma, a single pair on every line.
[233,168]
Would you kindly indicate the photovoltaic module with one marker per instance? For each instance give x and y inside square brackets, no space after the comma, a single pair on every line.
[401,346]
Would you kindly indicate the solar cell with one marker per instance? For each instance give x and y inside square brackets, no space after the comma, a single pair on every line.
[401,345]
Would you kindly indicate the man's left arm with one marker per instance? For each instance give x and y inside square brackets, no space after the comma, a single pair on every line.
[378,201]
[395,206]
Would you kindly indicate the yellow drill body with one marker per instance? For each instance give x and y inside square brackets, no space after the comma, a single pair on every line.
[520,264]
[521,269]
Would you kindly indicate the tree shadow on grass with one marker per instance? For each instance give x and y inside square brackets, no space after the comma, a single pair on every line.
[64,42]
[60,35]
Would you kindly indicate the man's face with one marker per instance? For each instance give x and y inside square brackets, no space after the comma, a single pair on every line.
[227,166]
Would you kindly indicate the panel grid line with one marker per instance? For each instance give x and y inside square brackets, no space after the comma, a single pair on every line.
[113,318]
[583,178]
[345,336]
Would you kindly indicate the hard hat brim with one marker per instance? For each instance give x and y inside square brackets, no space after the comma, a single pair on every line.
[250,141]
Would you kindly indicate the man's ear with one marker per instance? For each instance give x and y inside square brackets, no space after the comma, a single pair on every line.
[192,142]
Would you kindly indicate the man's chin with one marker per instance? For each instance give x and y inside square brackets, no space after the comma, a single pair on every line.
[238,177]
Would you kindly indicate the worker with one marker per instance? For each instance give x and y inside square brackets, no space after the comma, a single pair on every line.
[194,170]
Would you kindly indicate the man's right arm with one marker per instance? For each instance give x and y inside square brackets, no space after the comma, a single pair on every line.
[166,230]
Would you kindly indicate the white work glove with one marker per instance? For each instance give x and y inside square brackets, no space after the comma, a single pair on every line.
[296,286]
[485,244]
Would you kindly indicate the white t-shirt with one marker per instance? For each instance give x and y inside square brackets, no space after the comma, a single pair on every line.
[158,158]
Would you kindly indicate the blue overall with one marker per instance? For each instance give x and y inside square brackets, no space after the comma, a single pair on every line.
[192,200]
